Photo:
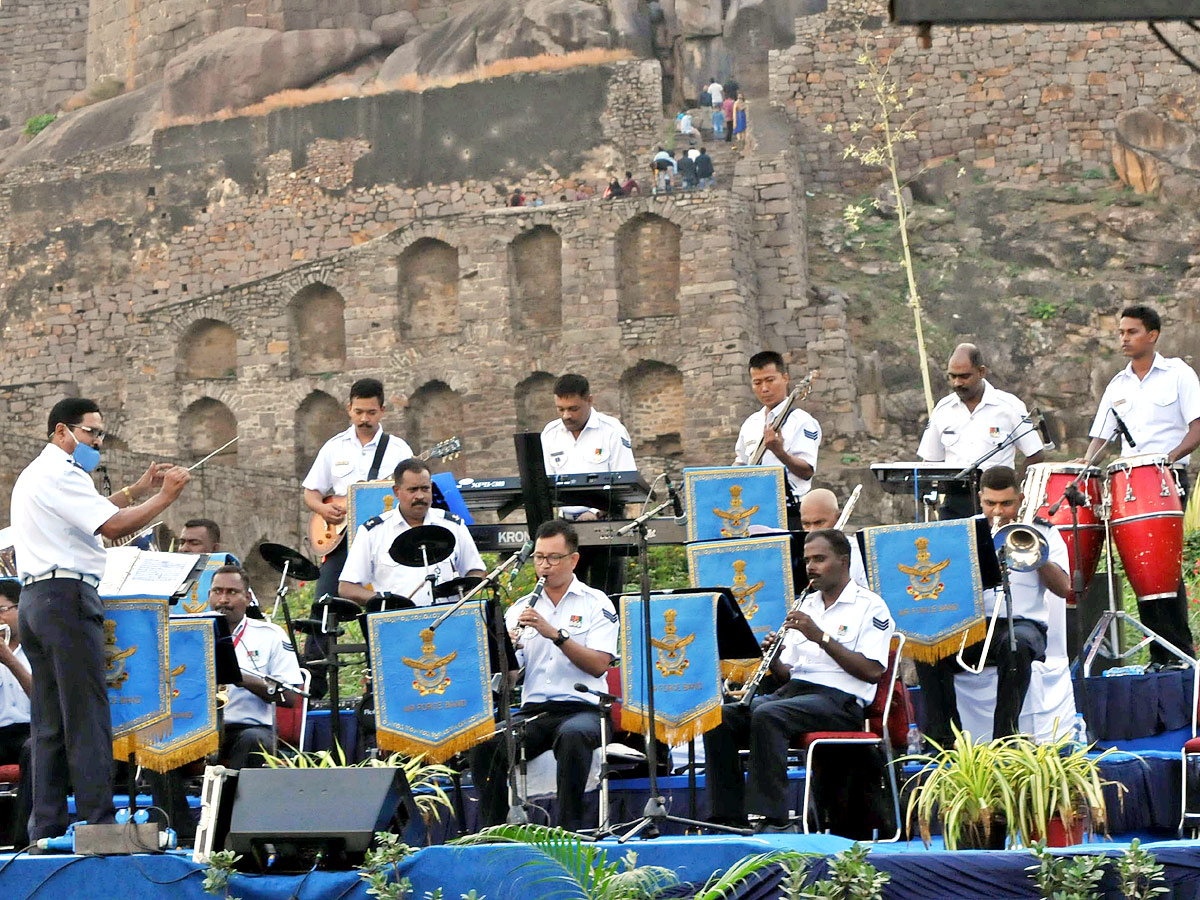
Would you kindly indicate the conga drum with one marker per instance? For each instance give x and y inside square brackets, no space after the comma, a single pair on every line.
[1044,486]
[1147,523]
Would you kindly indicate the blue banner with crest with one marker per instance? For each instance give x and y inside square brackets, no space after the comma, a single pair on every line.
[366,500]
[687,673]
[136,675]
[193,697]
[432,689]
[928,574]
[196,600]
[729,501]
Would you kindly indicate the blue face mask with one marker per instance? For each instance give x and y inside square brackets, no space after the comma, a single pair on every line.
[86,455]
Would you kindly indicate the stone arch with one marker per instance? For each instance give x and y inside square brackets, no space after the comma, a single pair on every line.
[207,349]
[205,425]
[318,418]
[435,412]
[648,267]
[534,399]
[535,279]
[428,274]
[317,330]
[652,408]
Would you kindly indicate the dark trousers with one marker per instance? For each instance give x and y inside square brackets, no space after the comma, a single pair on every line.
[1167,616]
[572,730]
[1013,671]
[62,631]
[15,748]
[316,646]
[768,727]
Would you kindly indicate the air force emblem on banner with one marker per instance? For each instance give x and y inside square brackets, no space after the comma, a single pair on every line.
[115,675]
[672,649]
[743,592]
[429,670]
[737,517]
[924,580]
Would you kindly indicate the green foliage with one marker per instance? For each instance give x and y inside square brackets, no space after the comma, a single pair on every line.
[1095,175]
[1140,874]
[219,872]
[37,124]
[795,878]
[382,864]
[1067,877]
[851,877]
[1041,309]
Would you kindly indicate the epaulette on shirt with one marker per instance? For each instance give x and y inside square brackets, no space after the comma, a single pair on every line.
[451,517]
[609,614]
[372,522]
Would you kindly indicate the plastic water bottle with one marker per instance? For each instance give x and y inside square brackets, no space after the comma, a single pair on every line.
[915,741]
[1079,730]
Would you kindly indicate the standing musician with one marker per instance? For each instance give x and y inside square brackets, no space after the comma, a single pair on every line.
[566,636]
[1158,398]
[834,654]
[58,519]
[793,444]
[359,453]
[582,439]
[369,562]
[970,421]
[1000,497]
[819,510]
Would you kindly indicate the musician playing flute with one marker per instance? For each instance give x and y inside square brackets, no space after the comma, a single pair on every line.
[792,443]
[835,651]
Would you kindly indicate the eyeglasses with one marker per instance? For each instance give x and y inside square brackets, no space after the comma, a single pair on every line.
[4,609]
[97,433]
[553,558]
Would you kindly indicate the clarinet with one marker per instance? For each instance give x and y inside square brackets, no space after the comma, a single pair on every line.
[751,687]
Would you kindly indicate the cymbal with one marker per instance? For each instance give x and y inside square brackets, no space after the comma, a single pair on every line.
[311,626]
[344,609]
[437,541]
[451,588]
[299,566]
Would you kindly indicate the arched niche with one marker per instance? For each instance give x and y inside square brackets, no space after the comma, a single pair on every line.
[652,408]
[535,279]
[204,426]
[428,273]
[648,267]
[318,418]
[435,413]
[534,399]
[317,324]
[207,349]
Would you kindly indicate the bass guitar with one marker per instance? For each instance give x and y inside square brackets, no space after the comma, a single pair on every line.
[324,537]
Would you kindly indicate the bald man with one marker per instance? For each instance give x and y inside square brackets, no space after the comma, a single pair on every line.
[819,510]
[972,420]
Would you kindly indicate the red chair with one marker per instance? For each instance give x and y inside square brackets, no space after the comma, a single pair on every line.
[10,777]
[887,731]
[1190,748]
[291,723]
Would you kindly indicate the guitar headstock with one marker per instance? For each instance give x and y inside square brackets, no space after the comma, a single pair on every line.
[805,385]
[447,449]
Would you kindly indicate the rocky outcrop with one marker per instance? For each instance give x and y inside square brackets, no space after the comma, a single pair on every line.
[240,66]
[396,28]
[1144,142]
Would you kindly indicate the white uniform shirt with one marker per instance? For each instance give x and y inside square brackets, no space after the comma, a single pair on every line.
[369,562]
[14,702]
[262,649]
[801,435]
[602,446]
[717,92]
[858,620]
[584,613]
[958,436]
[1156,409]
[55,513]
[343,461]
[1031,600]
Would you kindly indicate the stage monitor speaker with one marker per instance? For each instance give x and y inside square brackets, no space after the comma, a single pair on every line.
[282,818]
[1013,12]
[1083,618]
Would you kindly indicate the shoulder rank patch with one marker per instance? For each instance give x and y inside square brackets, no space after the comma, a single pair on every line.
[625,442]
[810,434]
[609,614]
[372,522]
[882,624]
[451,517]
[287,645]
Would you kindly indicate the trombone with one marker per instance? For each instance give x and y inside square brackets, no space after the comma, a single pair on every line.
[1019,548]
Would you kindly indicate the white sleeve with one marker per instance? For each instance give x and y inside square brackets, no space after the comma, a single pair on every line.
[1104,426]
[740,456]
[931,448]
[1189,393]
[359,567]
[602,632]
[80,503]
[320,476]
[1031,441]
[875,638]
[806,442]
[622,451]
[546,450]
[282,662]
[469,559]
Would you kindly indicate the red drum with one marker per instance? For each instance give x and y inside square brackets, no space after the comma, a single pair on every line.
[1147,524]
[1044,486]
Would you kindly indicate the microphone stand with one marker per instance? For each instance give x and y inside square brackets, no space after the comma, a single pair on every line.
[967,472]
[281,593]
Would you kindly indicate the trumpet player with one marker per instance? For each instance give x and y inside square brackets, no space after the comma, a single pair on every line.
[835,650]
[1000,498]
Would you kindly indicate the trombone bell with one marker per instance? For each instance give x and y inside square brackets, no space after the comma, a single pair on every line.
[1024,547]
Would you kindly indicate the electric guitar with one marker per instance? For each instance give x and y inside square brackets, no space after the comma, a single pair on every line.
[799,392]
[324,537]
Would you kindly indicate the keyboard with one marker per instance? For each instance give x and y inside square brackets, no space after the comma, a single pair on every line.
[512,537]
[599,489]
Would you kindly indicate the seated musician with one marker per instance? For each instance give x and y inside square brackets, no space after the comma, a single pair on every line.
[1000,500]
[568,636]
[834,654]
[369,563]
[818,510]
[200,536]
[15,684]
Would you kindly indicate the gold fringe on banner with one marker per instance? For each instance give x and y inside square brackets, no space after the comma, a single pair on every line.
[439,752]
[739,670]
[672,735]
[165,761]
[133,741]
[931,653]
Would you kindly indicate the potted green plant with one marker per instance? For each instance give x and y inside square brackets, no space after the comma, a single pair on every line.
[963,786]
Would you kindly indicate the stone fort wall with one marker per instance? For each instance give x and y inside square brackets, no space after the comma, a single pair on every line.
[42,45]
[1019,102]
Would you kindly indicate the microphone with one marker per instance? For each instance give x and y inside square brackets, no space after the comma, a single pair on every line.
[523,556]
[1124,431]
[528,632]
[676,500]
[584,689]
[1038,421]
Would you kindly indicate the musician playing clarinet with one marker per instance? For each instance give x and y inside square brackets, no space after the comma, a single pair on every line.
[792,443]
[836,640]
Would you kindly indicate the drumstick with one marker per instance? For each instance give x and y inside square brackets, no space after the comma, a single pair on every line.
[210,456]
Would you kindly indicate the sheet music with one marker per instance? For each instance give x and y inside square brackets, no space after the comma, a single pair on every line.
[129,571]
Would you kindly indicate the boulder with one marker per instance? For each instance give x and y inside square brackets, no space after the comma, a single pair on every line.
[394,27]
[1143,138]
[502,30]
[699,17]
[240,66]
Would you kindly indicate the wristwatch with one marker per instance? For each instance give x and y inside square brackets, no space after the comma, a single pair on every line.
[824,638]
[562,638]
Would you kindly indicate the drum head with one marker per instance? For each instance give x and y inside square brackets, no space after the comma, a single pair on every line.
[1133,462]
